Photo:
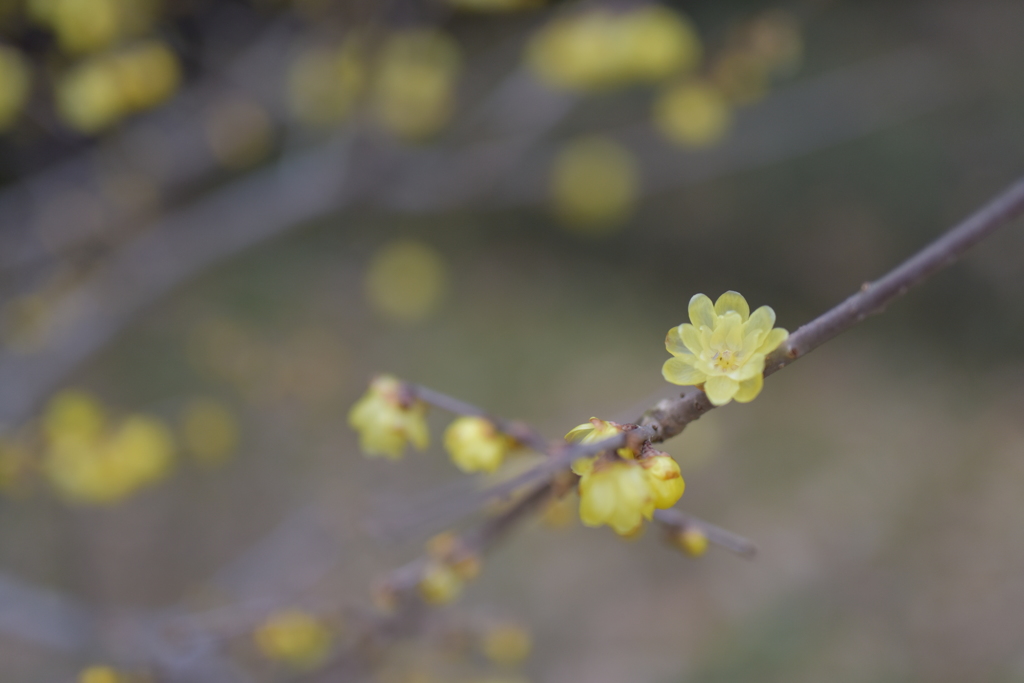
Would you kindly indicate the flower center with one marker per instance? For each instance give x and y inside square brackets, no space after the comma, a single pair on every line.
[726,360]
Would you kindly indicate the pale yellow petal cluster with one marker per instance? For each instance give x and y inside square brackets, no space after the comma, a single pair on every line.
[598,48]
[387,420]
[294,637]
[475,445]
[89,461]
[622,492]
[723,348]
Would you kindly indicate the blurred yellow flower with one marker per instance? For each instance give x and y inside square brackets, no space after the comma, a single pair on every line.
[295,638]
[439,584]
[100,91]
[15,79]
[88,461]
[209,431]
[594,184]
[413,91]
[475,444]
[99,674]
[692,114]
[73,415]
[724,348]
[325,83]
[386,419]
[406,281]
[506,644]
[597,48]
[691,541]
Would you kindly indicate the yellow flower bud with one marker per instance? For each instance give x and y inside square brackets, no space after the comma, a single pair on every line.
[295,638]
[475,445]
[439,583]
[386,420]
[692,114]
[617,493]
[506,644]
[691,541]
[664,478]
[594,431]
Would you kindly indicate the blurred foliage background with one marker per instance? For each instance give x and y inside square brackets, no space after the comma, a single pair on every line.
[219,218]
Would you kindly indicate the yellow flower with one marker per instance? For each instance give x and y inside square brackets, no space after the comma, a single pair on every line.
[594,183]
[596,430]
[666,482]
[597,49]
[414,84]
[439,583]
[294,637]
[617,493]
[475,445]
[691,541]
[506,644]
[692,114]
[724,348]
[99,674]
[386,419]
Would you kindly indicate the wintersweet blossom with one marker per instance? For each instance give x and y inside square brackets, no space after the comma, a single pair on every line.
[475,445]
[616,493]
[622,493]
[595,430]
[723,347]
[663,476]
[387,418]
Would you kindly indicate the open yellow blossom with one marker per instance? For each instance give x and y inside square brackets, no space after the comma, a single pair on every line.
[386,419]
[475,445]
[294,637]
[723,347]
[692,114]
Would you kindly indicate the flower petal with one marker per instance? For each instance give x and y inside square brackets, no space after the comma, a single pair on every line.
[762,320]
[772,341]
[753,366]
[674,342]
[721,389]
[691,338]
[749,389]
[702,311]
[679,371]
[733,301]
